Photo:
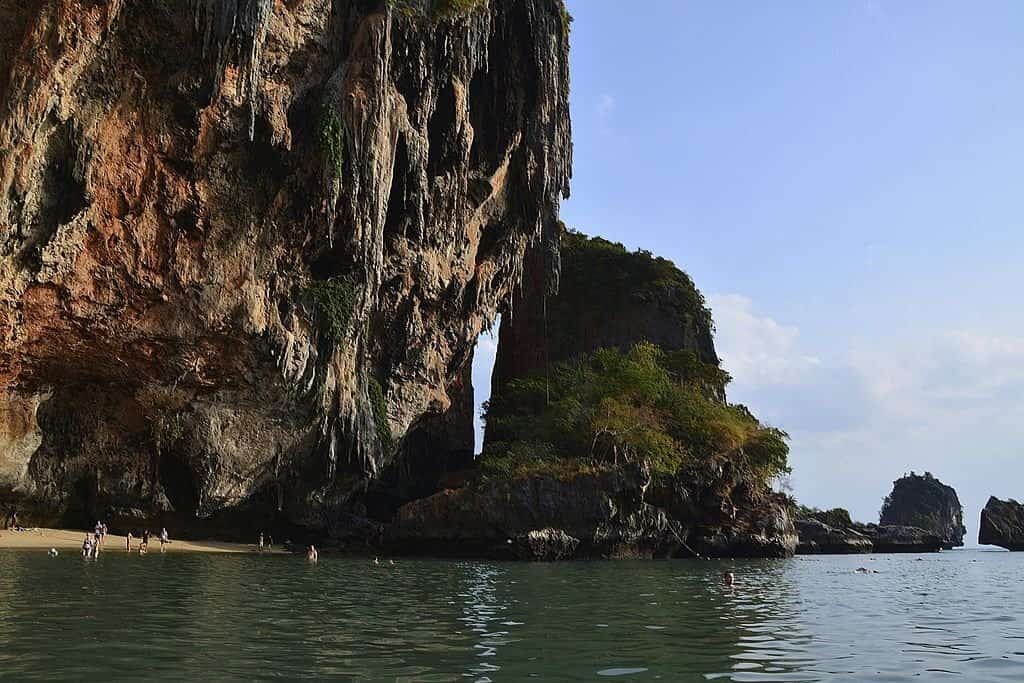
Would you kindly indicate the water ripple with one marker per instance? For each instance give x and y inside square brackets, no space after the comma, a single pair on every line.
[951,615]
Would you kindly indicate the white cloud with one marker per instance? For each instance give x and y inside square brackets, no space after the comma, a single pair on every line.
[756,350]
[949,401]
[955,375]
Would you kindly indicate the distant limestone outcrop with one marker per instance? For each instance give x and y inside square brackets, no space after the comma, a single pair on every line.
[832,532]
[924,502]
[816,537]
[1002,524]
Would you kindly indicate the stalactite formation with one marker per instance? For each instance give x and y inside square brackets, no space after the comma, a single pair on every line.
[283,224]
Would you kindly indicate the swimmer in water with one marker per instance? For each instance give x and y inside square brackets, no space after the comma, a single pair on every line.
[729,578]
[312,555]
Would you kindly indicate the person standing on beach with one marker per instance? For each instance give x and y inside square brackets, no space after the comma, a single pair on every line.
[164,538]
[128,542]
[261,542]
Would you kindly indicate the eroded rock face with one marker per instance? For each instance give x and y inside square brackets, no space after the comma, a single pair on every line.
[619,514]
[245,245]
[1002,524]
[924,502]
[817,537]
[891,538]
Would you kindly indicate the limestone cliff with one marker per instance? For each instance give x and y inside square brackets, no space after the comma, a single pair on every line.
[924,502]
[246,246]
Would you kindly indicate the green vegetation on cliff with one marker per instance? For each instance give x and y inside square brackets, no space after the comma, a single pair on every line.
[331,139]
[596,267]
[335,301]
[837,518]
[380,416]
[613,406]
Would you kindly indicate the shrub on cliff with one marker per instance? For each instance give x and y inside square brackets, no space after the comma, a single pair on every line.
[614,406]
[334,301]
[837,518]
[600,267]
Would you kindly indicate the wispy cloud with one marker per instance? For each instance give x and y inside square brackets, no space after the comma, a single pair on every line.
[754,348]
[950,401]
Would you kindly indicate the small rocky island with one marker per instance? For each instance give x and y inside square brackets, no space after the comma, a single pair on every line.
[920,515]
[924,502]
[821,532]
[1002,524]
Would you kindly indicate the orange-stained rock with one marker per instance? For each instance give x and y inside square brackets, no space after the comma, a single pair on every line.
[215,245]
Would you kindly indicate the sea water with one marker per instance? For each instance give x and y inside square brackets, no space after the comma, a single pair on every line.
[952,615]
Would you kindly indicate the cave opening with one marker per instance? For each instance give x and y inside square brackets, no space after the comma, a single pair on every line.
[441,131]
[81,512]
[178,484]
[396,220]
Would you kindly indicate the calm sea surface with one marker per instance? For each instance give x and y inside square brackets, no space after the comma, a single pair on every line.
[954,615]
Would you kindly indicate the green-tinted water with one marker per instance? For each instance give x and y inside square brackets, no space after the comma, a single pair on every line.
[238,617]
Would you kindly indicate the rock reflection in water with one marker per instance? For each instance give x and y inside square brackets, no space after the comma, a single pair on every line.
[242,617]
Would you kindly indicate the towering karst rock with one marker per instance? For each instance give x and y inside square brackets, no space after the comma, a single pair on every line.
[246,246]
[715,505]
[924,502]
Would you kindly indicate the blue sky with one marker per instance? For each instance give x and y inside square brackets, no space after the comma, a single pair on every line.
[845,182]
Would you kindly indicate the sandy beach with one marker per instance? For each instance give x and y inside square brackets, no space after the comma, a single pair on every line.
[62,539]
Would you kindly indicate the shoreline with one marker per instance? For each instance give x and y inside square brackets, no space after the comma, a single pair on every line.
[67,539]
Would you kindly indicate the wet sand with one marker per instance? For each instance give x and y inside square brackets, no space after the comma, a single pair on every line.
[63,539]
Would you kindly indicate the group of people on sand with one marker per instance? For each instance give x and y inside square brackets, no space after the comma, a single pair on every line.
[94,541]
[165,540]
[265,543]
